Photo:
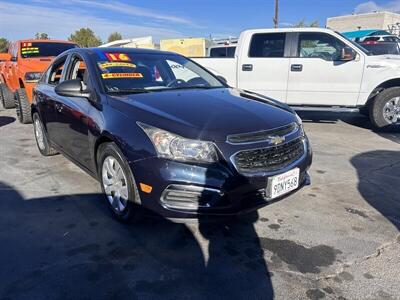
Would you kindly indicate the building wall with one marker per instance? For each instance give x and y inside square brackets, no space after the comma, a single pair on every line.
[375,20]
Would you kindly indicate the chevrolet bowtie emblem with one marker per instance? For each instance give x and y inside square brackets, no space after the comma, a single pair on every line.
[276,140]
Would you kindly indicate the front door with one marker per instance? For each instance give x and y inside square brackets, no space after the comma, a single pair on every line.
[264,69]
[318,77]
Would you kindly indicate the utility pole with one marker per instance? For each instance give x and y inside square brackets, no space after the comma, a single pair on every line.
[275,19]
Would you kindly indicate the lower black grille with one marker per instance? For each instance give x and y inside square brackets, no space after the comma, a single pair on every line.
[269,159]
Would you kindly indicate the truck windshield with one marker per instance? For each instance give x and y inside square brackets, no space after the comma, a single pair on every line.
[43,49]
[131,72]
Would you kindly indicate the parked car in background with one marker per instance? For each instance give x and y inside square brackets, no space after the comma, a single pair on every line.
[380,38]
[381,48]
[222,51]
[27,59]
[178,146]
[313,67]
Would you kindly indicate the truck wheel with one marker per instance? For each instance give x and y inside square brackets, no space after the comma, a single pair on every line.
[1,94]
[8,97]
[385,110]
[41,137]
[23,107]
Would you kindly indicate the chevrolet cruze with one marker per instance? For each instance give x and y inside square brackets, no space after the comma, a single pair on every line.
[158,130]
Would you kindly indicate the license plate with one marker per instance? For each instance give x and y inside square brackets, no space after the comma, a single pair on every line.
[283,183]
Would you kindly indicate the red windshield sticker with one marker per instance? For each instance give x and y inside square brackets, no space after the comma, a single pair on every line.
[117,57]
[121,75]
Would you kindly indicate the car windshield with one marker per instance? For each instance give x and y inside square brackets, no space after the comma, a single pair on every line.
[43,49]
[129,72]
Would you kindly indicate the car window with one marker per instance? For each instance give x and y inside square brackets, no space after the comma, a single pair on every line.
[43,49]
[319,45]
[56,70]
[371,39]
[79,71]
[267,45]
[222,52]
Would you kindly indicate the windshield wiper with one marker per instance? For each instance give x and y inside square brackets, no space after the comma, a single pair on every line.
[130,91]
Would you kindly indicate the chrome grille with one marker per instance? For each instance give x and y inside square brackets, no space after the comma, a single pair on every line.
[269,159]
[263,135]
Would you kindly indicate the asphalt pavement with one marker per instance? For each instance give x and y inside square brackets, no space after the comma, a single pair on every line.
[335,239]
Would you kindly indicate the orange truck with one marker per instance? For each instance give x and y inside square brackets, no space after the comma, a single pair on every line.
[21,69]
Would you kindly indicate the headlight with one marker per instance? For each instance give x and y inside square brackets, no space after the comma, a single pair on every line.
[33,76]
[299,122]
[175,147]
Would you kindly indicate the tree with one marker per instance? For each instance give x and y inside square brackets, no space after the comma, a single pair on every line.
[115,36]
[4,44]
[303,23]
[42,36]
[85,37]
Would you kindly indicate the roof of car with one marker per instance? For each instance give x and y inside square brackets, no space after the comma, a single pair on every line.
[124,50]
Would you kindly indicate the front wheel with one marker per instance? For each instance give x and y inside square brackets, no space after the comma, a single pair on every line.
[385,110]
[117,182]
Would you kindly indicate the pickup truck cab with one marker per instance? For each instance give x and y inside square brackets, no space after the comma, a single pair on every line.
[314,67]
[25,63]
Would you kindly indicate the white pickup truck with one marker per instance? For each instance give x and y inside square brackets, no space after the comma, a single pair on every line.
[314,67]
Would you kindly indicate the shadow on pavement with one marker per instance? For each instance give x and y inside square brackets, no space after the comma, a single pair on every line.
[379,180]
[354,119]
[69,247]
[6,120]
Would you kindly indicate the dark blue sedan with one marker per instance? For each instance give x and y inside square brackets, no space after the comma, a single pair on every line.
[157,129]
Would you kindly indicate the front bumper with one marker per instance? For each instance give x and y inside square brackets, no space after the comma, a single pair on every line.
[183,190]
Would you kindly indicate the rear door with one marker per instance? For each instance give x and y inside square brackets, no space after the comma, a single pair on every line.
[72,115]
[318,77]
[264,67]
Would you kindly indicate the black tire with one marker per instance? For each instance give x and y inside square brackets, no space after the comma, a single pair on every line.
[8,97]
[1,94]
[129,212]
[376,113]
[23,107]
[45,149]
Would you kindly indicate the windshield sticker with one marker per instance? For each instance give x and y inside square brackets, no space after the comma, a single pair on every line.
[117,57]
[117,64]
[121,75]
[26,44]
[29,50]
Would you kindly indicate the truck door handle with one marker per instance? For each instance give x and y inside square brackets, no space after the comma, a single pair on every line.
[296,68]
[247,67]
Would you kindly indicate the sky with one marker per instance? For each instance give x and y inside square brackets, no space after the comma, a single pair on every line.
[167,18]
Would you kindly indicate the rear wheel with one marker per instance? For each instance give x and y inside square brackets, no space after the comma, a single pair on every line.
[8,97]
[117,182]
[23,107]
[1,94]
[385,110]
[41,137]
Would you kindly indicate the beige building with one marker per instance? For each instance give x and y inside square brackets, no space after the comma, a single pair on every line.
[376,20]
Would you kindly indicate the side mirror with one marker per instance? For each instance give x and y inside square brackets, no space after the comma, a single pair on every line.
[347,54]
[71,88]
[5,56]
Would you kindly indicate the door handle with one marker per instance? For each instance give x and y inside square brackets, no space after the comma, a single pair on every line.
[247,67]
[59,107]
[296,68]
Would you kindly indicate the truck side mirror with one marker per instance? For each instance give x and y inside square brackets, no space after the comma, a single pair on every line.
[5,56]
[347,54]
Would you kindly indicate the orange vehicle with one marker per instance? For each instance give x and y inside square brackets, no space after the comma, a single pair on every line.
[24,65]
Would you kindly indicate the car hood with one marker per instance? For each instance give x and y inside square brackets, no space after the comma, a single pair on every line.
[35,64]
[205,114]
